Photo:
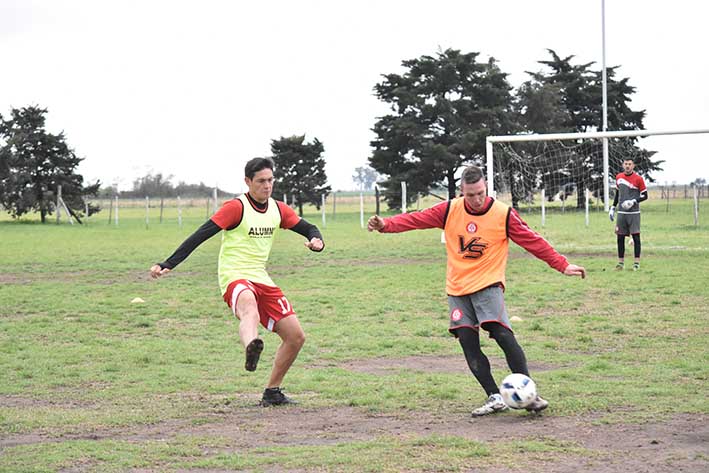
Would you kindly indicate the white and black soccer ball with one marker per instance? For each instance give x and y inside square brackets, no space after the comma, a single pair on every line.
[518,390]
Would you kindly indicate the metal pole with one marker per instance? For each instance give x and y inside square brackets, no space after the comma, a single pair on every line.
[490,173]
[606,167]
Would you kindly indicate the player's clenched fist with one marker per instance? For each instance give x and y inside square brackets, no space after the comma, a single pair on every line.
[375,222]
[156,271]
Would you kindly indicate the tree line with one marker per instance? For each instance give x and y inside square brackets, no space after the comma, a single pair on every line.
[442,108]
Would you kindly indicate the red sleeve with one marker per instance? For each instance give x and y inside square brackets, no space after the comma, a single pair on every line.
[641,183]
[229,215]
[520,233]
[433,217]
[288,216]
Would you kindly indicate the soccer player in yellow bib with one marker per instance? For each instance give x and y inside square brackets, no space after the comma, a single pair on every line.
[477,230]
[249,225]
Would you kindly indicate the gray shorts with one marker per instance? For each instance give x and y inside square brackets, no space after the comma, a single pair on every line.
[627,223]
[486,305]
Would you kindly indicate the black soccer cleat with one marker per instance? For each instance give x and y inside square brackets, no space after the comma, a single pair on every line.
[275,397]
[538,405]
[253,352]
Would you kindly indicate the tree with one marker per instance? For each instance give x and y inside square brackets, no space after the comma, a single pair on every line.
[365,177]
[443,109]
[568,99]
[300,169]
[33,163]
[154,185]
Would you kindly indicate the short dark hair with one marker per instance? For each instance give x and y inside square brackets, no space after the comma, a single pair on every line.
[471,175]
[629,158]
[257,164]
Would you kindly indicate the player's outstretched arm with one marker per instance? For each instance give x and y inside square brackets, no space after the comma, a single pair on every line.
[313,237]
[574,270]
[203,233]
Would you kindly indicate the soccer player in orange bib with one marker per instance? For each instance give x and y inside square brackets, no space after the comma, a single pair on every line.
[249,225]
[477,230]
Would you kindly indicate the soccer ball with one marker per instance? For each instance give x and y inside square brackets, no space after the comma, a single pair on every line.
[518,390]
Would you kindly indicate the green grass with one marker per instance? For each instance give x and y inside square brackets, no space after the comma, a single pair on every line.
[76,356]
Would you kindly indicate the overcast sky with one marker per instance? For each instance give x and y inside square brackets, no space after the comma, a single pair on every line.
[195,89]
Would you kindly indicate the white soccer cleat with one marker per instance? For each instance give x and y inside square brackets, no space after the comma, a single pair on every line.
[493,404]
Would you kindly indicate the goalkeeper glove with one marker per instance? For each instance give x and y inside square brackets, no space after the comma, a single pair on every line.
[611,214]
[627,204]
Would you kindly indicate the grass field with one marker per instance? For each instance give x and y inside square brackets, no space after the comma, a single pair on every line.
[92,382]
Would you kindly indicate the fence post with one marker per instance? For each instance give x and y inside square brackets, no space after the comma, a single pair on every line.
[179,212]
[361,210]
[334,205]
[115,214]
[58,206]
[543,208]
[147,212]
[322,205]
[403,197]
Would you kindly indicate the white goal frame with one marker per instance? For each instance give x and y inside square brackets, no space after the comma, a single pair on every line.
[573,136]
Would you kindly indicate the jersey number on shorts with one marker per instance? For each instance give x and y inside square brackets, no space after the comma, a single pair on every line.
[285,305]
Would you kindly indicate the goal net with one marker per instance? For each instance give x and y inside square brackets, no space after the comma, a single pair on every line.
[567,170]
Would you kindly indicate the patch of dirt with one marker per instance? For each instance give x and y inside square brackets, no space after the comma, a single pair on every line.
[676,444]
[430,364]
[29,403]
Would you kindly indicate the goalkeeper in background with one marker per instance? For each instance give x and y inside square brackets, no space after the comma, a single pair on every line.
[630,191]
[478,229]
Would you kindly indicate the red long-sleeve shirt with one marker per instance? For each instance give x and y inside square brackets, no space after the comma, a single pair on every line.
[517,230]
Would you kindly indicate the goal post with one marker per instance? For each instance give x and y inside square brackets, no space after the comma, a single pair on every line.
[527,164]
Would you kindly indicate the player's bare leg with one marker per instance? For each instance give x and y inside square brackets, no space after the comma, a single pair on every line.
[293,338]
[247,312]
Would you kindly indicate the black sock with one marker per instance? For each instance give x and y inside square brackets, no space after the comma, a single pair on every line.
[636,244]
[621,246]
[477,361]
[514,354]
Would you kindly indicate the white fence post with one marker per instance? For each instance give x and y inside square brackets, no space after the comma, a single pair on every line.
[115,214]
[179,212]
[586,205]
[544,214]
[58,206]
[403,197]
[361,210]
[322,206]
